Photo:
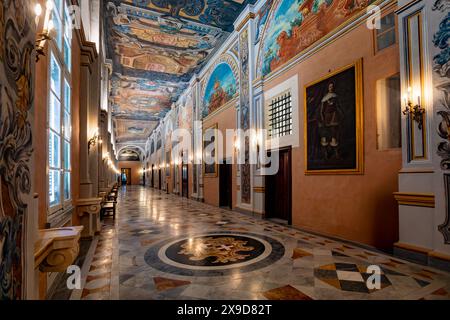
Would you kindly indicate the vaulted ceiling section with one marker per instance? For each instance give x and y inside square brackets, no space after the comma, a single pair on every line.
[156,46]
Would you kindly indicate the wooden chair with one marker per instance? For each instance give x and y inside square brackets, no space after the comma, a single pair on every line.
[109,209]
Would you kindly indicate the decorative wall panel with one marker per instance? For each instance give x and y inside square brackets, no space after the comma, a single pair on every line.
[17,36]
[246,190]
[442,79]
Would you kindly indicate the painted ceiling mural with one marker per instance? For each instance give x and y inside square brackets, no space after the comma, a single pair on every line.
[297,24]
[156,47]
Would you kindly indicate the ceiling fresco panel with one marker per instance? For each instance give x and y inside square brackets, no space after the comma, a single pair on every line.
[156,47]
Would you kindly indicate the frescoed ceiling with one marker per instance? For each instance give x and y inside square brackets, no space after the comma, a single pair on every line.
[156,46]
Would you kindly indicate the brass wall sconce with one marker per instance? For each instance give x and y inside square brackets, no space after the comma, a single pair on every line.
[415,111]
[43,36]
[94,140]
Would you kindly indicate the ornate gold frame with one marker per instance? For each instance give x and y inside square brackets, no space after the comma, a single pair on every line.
[216,174]
[358,65]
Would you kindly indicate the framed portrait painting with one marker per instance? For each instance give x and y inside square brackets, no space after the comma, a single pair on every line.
[210,151]
[334,122]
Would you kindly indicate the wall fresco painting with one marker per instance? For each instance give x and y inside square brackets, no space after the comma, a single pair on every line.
[261,19]
[221,88]
[441,76]
[16,100]
[297,24]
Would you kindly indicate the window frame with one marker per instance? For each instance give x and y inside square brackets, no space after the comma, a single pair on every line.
[58,54]
[377,129]
[275,123]
[376,36]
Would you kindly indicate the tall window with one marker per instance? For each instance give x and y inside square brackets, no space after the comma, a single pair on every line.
[385,36]
[59,109]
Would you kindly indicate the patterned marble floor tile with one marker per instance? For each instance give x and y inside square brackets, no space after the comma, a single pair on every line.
[148,253]
[286,293]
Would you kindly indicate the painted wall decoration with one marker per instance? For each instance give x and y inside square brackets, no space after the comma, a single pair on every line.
[297,24]
[186,112]
[221,88]
[441,41]
[442,79]
[17,37]
[333,125]
[261,19]
[244,55]
[209,151]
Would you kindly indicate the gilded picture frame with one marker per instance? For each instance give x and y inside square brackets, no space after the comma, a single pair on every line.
[210,170]
[333,123]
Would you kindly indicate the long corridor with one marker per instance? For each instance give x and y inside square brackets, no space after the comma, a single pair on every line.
[166,247]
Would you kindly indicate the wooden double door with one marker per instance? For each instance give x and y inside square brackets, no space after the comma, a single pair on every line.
[185,180]
[278,194]
[226,185]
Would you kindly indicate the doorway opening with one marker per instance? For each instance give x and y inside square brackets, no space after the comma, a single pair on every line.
[185,180]
[153,176]
[159,179]
[278,194]
[125,176]
[226,185]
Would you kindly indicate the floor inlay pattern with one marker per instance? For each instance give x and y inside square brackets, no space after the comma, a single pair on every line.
[215,254]
[174,248]
[98,282]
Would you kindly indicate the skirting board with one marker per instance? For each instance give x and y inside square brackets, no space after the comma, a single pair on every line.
[423,256]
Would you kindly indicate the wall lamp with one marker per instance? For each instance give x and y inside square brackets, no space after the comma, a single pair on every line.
[43,36]
[416,111]
[93,141]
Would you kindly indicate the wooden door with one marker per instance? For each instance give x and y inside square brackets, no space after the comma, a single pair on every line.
[225,185]
[279,189]
[153,176]
[159,179]
[185,180]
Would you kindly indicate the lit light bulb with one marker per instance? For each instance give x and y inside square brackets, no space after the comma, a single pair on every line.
[49,4]
[38,10]
[50,26]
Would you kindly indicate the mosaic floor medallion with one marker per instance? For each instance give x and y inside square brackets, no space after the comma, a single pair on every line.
[215,254]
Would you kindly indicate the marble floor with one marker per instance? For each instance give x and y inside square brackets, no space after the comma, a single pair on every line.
[164,247]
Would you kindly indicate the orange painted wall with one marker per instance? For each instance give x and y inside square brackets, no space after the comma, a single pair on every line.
[225,119]
[355,207]
[136,167]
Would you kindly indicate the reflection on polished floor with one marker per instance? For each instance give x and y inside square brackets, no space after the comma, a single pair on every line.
[165,247]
